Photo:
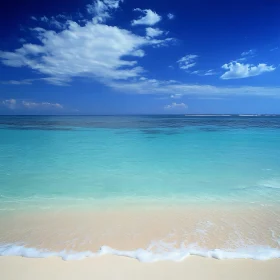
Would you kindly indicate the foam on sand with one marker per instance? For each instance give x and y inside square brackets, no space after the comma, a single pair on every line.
[145,255]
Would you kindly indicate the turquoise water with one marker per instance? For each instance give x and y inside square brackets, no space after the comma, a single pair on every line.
[57,159]
[62,163]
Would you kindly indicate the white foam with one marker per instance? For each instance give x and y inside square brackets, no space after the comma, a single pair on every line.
[176,254]
[248,115]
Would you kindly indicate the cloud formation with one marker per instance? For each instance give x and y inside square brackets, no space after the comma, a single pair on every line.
[10,103]
[248,53]
[57,22]
[236,70]
[92,49]
[210,72]
[176,96]
[21,104]
[64,55]
[171,87]
[101,10]
[18,82]
[187,61]
[41,105]
[153,32]
[149,18]
[170,16]
[175,105]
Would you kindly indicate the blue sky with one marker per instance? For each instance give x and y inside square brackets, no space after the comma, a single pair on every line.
[139,57]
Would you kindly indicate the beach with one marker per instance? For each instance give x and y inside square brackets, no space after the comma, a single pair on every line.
[134,197]
[139,140]
[112,267]
[161,231]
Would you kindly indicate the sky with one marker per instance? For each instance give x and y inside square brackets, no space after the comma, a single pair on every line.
[140,57]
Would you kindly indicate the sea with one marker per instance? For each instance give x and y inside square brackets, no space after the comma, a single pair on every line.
[223,164]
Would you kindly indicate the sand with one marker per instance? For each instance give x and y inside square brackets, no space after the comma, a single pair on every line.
[208,227]
[212,227]
[113,267]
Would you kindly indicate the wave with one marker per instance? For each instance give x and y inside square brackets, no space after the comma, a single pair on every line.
[269,184]
[144,255]
[208,115]
[249,115]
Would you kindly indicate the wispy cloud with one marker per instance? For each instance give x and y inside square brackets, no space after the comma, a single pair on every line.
[102,9]
[153,32]
[175,105]
[17,82]
[210,72]
[58,22]
[170,87]
[274,49]
[51,80]
[236,70]
[248,53]
[170,16]
[176,96]
[149,18]
[23,104]
[187,61]
[9,103]
[41,105]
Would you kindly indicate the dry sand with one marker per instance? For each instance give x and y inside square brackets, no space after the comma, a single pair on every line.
[113,267]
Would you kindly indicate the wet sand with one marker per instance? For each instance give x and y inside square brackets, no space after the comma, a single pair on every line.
[212,227]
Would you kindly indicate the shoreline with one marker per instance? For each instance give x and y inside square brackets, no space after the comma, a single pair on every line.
[250,232]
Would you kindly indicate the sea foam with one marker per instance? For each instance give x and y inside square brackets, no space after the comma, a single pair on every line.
[144,255]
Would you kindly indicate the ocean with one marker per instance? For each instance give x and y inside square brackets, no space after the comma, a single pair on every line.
[210,183]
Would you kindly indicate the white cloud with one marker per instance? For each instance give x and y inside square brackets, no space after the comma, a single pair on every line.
[19,82]
[196,72]
[187,61]
[204,73]
[170,16]
[274,49]
[101,10]
[57,81]
[9,103]
[176,96]
[236,70]
[248,53]
[22,104]
[90,50]
[165,87]
[44,18]
[58,22]
[149,18]
[210,73]
[41,105]
[175,105]
[51,80]
[153,32]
